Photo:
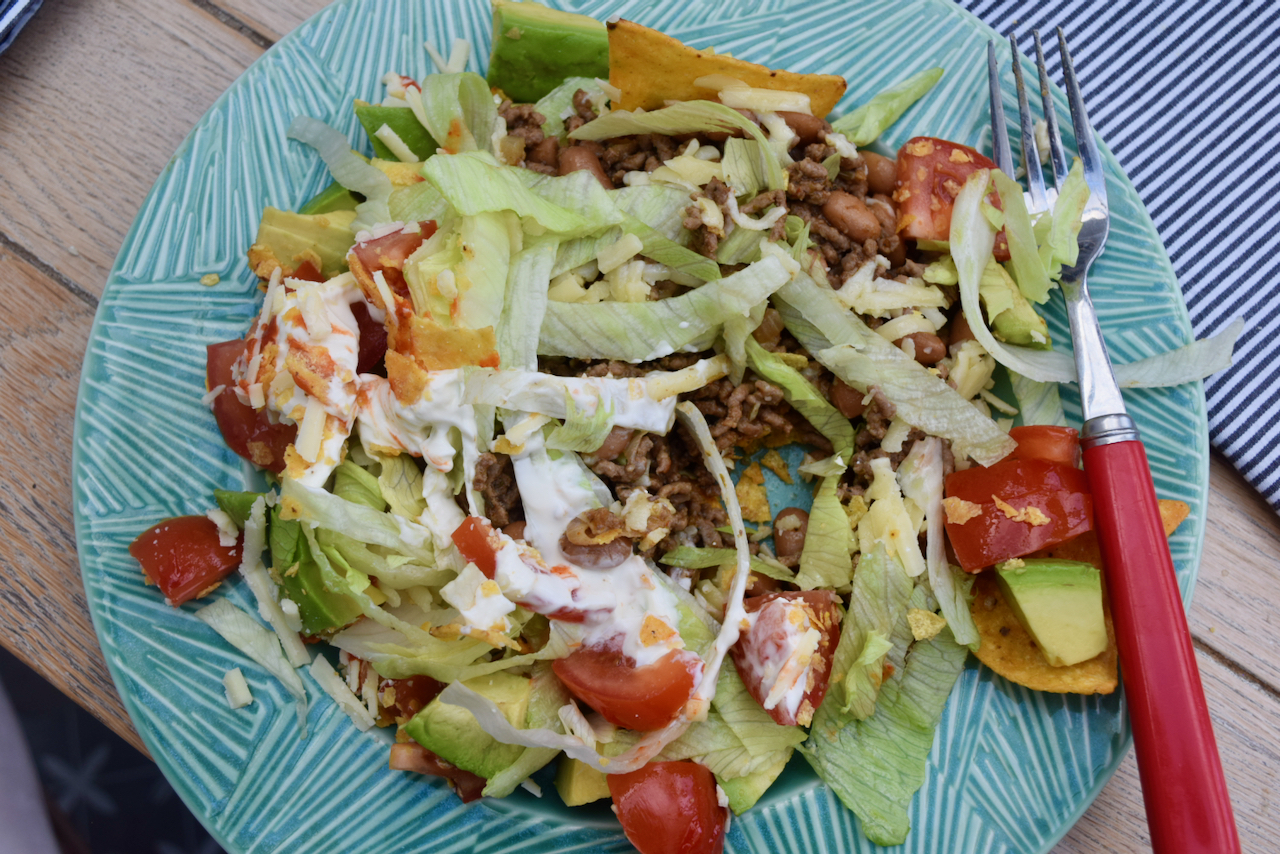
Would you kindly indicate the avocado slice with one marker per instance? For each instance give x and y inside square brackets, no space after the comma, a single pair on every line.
[291,238]
[403,122]
[743,792]
[453,734]
[578,783]
[1012,317]
[322,610]
[536,48]
[1059,602]
[334,197]
[237,505]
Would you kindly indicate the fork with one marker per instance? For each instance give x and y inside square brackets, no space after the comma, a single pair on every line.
[1188,808]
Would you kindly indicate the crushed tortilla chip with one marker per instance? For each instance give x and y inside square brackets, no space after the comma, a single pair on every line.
[774,462]
[1172,513]
[925,625]
[752,495]
[960,511]
[1030,514]
[1009,650]
[654,631]
[651,68]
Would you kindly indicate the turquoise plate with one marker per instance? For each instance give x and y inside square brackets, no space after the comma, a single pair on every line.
[1011,769]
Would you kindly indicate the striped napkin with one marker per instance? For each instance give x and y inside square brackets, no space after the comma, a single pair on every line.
[14,15]
[1187,95]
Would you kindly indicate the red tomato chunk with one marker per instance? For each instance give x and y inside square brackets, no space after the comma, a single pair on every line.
[638,698]
[416,758]
[247,431]
[931,173]
[768,642]
[1046,442]
[184,557]
[1023,505]
[670,808]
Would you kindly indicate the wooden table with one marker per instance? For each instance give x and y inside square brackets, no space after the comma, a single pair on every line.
[95,97]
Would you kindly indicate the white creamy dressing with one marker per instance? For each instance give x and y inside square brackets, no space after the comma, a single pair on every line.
[616,600]
[782,656]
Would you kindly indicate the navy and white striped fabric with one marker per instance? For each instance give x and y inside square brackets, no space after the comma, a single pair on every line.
[14,15]
[1187,95]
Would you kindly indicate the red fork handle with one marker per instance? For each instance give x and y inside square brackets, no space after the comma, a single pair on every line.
[1188,808]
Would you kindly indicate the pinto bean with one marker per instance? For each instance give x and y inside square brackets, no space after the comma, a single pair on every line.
[579,157]
[960,330]
[598,556]
[546,152]
[789,541]
[929,347]
[769,332]
[614,444]
[515,530]
[882,172]
[808,128]
[848,400]
[850,214]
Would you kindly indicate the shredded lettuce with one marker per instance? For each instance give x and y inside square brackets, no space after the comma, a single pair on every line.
[1011,313]
[1038,403]
[867,122]
[360,523]
[475,183]
[826,560]
[457,110]
[1061,247]
[737,332]
[245,634]
[972,239]
[804,398]
[684,117]
[881,590]
[547,696]
[745,166]
[557,105]
[638,332]
[855,353]
[400,482]
[481,275]
[528,278]
[1028,268]
[354,484]
[920,475]
[876,765]
[348,169]
[693,557]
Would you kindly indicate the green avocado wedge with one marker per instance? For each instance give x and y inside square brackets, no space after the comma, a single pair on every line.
[536,48]
[452,733]
[1059,602]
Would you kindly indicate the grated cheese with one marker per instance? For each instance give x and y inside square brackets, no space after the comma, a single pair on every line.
[311,431]
[392,140]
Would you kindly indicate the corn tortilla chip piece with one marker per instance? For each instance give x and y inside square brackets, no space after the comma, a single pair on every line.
[774,462]
[1009,650]
[652,68]
[752,495]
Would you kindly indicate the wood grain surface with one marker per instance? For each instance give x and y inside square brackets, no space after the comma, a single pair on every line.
[95,97]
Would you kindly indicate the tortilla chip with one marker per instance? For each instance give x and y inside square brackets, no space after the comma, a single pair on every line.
[752,496]
[1172,514]
[774,462]
[1009,650]
[437,348]
[652,68]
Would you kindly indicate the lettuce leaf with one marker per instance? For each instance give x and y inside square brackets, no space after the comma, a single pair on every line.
[354,484]
[457,110]
[557,105]
[685,117]
[546,697]
[528,278]
[638,332]
[1028,269]
[245,634]
[348,169]
[481,275]
[826,560]
[1038,403]
[694,557]
[475,183]
[876,765]
[804,398]
[881,590]
[873,118]
[855,353]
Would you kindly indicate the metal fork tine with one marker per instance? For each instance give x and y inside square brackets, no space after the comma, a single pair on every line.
[1057,156]
[1000,152]
[1086,144]
[1030,151]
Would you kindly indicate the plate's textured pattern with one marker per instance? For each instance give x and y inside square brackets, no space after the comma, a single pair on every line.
[1010,770]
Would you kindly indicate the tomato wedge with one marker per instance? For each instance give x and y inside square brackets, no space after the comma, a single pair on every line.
[638,698]
[416,758]
[670,808]
[183,556]
[1014,508]
[478,542]
[763,655]
[246,430]
[373,341]
[388,253]
[1047,442]
[931,173]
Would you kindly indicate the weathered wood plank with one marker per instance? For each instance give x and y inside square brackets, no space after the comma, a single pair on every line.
[1246,718]
[94,99]
[1234,610]
[45,620]
[273,20]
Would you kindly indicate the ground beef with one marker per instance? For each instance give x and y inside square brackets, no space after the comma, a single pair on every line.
[524,121]
[705,241]
[496,483]
[583,112]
